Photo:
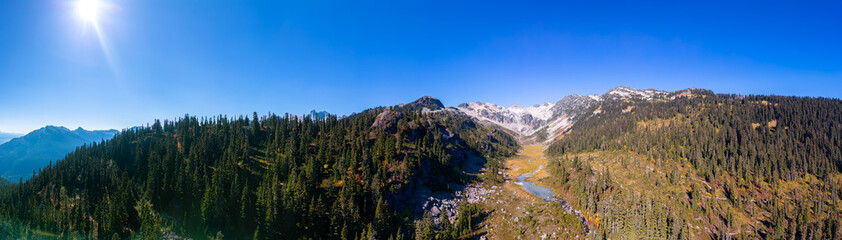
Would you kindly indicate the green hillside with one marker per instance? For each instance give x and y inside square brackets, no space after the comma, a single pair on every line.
[706,166]
[270,177]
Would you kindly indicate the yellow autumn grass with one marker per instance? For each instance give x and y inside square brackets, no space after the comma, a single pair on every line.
[527,160]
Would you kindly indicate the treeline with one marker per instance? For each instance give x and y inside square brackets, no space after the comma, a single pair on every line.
[275,177]
[752,148]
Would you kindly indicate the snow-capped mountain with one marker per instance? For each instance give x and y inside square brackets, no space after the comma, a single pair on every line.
[524,121]
[537,123]
[546,122]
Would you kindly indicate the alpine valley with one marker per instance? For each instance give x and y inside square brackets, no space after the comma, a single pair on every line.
[627,164]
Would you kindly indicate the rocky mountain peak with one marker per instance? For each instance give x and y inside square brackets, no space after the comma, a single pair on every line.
[425,102]
[625,92]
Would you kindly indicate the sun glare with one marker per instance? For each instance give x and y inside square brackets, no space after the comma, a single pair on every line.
[88,10]
[90,13]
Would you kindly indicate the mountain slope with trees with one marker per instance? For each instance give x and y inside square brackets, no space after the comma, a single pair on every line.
[724,165]
[270,177]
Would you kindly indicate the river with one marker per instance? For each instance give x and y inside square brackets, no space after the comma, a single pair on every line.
[549,196]
[530,187]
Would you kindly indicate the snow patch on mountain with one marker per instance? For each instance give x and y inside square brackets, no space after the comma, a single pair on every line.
[543,111]
[558,126]
[623,92]
[537,123]
[516,118]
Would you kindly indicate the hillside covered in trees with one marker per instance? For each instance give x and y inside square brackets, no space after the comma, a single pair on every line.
[270,177]
[705,165]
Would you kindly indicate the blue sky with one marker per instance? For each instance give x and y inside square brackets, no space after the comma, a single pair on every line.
[160,59]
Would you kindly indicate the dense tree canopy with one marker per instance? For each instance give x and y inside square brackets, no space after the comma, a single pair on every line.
[772,137]
[274,177]
[775,159]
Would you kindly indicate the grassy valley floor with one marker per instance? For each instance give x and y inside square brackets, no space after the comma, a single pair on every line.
[516,214]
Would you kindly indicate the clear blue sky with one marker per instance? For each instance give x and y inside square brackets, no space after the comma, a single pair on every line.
[165,58]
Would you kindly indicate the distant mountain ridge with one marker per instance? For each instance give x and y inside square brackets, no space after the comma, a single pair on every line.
[5,137]
[546,122]
[20,156]
[317,115]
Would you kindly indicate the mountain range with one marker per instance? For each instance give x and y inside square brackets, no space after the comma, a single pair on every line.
[20,156]
[546,122]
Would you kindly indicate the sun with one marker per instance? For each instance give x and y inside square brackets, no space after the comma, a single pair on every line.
[88,10]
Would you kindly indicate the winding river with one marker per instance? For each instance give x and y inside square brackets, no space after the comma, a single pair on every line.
[549,196]
[530,187]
